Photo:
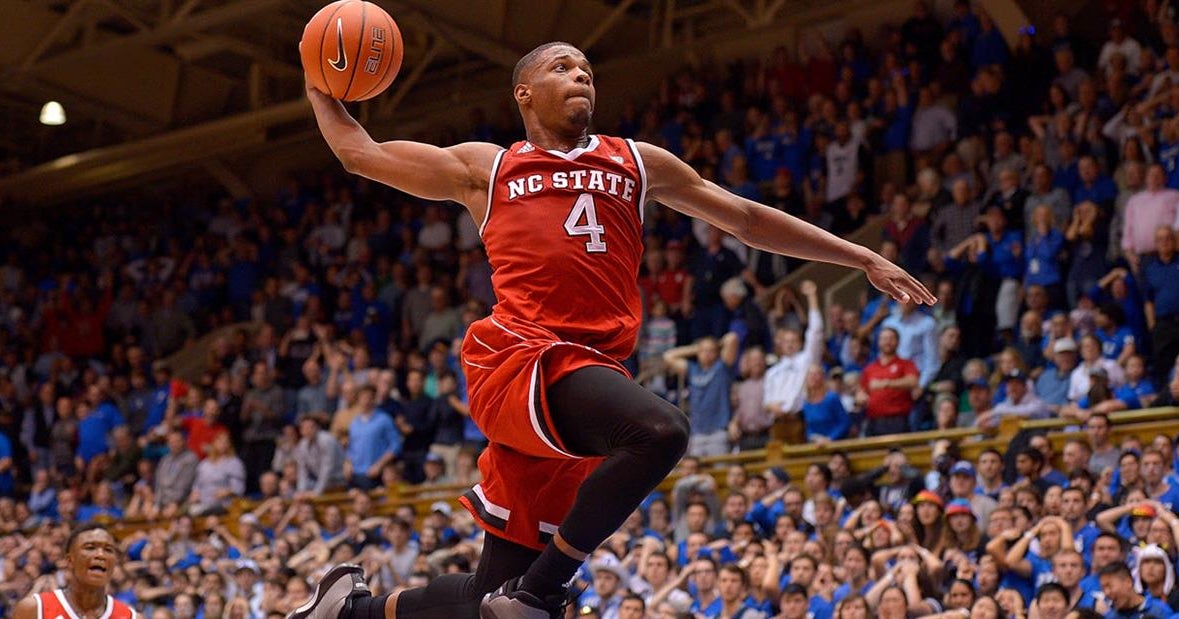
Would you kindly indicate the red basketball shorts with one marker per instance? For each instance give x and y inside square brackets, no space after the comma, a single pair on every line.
[530,478]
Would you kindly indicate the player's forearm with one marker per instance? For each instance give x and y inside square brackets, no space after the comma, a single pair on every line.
[343,134]
[772,230]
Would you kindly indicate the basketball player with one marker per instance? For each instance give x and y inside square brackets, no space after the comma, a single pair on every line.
[91,556]
[575,443]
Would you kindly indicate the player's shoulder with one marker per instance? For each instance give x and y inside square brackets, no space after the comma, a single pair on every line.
[476,153]
[28,608]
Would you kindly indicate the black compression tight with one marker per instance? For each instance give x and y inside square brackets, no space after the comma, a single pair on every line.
[457,596]
[597,412]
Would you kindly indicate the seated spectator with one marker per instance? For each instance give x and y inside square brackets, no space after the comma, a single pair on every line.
[1020,402]
[220,477]
[319,457]
[1093,363]
[175,475]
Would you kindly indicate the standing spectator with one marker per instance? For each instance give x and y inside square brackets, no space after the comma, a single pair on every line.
[712,265]
[822,409]
[886,388]
[918,338]
[709,377]
[1161,283]
[750,427]
[417,423]
[261,414]
[319,458]
[175,475]
[785,379]
[373,441]
[1119,44]
[934,127]
[1044,193]
[956,221]
[843,164]
[1147,211]
[1043,255]
[1003,260]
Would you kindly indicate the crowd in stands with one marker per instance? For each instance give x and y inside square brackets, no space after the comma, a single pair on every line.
[1035,188]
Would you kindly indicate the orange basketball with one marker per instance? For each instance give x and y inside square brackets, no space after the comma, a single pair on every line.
[351,50]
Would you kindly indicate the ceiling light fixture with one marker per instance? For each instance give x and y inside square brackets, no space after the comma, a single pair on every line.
[53,114]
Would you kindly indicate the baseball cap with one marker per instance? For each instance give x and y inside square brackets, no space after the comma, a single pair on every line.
[978,382]
[609,563]
[1099,372]
[246,564]
[959,506]
[962,467]
[928,496]
[1016,374]
[442,507]
[433,457]
[1064,344]
[1143,511]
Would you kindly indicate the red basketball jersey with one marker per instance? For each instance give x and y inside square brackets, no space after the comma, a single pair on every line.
[53,605]
[564,235]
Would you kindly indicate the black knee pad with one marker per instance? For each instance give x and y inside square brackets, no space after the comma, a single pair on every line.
[667,429]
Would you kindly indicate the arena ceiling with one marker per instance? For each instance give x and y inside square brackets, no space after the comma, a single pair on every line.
[156,88]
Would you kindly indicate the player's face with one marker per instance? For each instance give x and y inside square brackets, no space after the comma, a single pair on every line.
[561,89]
[92,558]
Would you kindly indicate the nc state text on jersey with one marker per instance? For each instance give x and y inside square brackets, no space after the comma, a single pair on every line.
[579,180]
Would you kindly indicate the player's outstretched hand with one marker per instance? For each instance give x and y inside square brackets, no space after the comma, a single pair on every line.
[898,284]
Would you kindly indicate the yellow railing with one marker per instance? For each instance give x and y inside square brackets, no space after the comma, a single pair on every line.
[865,454]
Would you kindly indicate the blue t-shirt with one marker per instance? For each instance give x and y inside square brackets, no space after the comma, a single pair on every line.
[709,397]
[763,157]
[1161,285]
[1112,344]
[1150,607]
[1042,255]
[1000,259]
[7,483]
[94,430]
[370,439]
[1102,192]
[1169,157]
[826,418]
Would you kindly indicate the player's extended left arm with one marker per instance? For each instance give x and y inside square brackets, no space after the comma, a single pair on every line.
[676,185]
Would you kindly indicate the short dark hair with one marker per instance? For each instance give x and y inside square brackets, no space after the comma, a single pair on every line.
[1033,453]
[528,60]
[1115,569]
[89,526]
[631,597]
[733,568]
[1052,587]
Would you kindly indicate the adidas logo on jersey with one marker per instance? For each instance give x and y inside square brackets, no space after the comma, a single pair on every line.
[617,159]
[527,148]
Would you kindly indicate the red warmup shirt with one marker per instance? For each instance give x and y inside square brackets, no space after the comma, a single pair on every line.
[890,401]
[200,433]
[669,285]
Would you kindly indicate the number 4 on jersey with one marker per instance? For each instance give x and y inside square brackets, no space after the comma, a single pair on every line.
[574,227]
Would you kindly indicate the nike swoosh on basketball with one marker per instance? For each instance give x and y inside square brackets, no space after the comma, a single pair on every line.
[341,61]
